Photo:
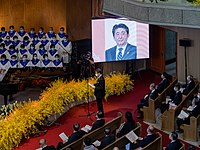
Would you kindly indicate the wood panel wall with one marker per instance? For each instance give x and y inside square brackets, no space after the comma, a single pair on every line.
[33,13]
[193,52]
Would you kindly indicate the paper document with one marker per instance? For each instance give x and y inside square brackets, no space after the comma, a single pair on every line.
[182,115]
[190,108]
[121,126]
[96,143]
[39,149]
[172,104]
[131,136]
[87,128]
[168,100]
[63,136]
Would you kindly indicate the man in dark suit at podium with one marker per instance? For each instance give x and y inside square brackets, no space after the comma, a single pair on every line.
[123,50]
[99,89]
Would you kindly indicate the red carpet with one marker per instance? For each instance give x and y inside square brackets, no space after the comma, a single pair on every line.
[123,103]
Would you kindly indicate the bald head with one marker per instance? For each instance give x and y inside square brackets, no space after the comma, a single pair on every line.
[115,148]
[42,142]
[150,129]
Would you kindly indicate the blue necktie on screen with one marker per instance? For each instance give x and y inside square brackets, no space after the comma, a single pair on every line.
[119,55]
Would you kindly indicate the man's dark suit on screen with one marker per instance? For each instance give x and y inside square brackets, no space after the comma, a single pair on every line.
[174,145]
[99,92]
[99,123]
[129,53]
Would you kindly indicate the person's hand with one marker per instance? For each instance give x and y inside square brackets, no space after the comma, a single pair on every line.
[145,96]
[140,138]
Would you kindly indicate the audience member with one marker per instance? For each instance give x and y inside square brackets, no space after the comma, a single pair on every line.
[153,94]
[115,148]
[175,144]
[164,83]
[108,139]
[44,146]
[88,144]
[99,122]
[189,86]
[150,137]
[127,126]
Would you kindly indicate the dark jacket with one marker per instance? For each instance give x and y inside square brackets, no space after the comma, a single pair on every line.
[49,148]
[98,124]
[177,98]
[176,145]
[75,136]
[99,90]
[189,87]
[147,139]
[128,126]
[163,85]
[106,141]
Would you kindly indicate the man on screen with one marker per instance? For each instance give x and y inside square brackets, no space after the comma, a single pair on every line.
[123,50]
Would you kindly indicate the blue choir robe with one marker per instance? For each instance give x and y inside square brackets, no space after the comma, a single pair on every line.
[52,53]
[41,52]
[32,51]
[10,53]
[16,44]
[23,64]
[2,51]
[13,63]
[21,35]
[56,43]
[46,63]
[36,43]
[35,63]
[60,36]
[65,50]
[4,64]
[40,35]
[7,43]
[22,52]
[31,35]
[11,34]
[57,63]
[50,35]
[27,44]
[3,35]
[45,43]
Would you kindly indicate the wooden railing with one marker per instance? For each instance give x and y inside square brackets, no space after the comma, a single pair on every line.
[96,134]
[169,116]
[149,112]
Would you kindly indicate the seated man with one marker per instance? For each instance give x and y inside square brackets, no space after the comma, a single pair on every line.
[150,137]
[195,112]
[44,146]
[153,94]
[175,99]
[88,144]
[127,126]
[191,84]
[99,122]
[164,83]
[175,144]
[108,139]
[77,134]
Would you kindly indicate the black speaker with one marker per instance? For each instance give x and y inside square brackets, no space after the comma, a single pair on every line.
[185,42]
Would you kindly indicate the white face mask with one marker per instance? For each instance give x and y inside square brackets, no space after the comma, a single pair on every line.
[61,32]
[24,59]
[35,39]
[3,59]
[35,57]
[32,47]
[15,40]
[54,39]
[21,30]
[32,32]
[56,58]
[174,89]
[46,58]
[50,31]
[11,30]
[40,31]
[198,96]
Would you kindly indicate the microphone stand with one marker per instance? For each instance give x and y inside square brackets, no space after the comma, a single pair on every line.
[89,114]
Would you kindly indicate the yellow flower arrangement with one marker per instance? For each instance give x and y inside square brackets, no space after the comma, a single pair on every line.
[24,119]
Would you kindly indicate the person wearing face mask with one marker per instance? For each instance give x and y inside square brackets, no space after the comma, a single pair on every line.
[57,62]
[36,42]
[32,33]
[41,33]
[188,87]
[65,50]
[61,34]
[7,42]
[46,62]
[24,62]
[11,51]
[22,51]
[13,62]
[2,49]
[4,62]
[3,33]
[35,62]
[50,33]
[26,42]
[153,94]
[99,89]
[45,42]
[41,52]
[16,42]
[54,41]
[52,52]
[12,31]
[22,33]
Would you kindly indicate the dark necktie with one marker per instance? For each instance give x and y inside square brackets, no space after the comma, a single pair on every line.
[119,55]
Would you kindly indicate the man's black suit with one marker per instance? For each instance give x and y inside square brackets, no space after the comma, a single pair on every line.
[75,136]
[195,112]
[162,85]
[99,92]
[175,145]
[106,141]
[49,148]
[189,87]
[128,126]
[146,140]
[97,124]
[177,98]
